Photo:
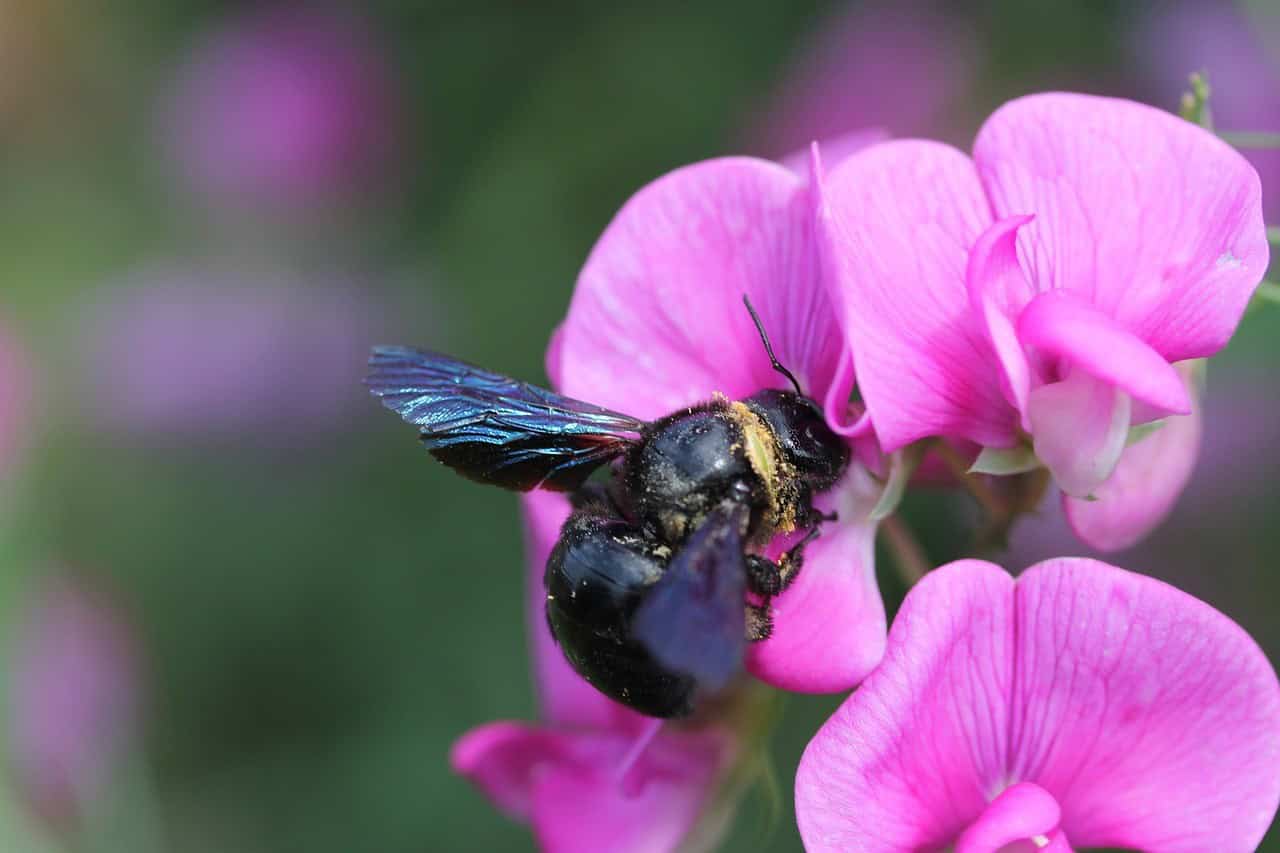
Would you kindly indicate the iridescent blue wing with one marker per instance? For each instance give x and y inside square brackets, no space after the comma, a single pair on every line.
[693,619]
[495,429]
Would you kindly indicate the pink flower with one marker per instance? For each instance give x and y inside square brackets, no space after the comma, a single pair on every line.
[901,66]
[1037,296]
[657,324]
[587,779]
[1079,705]
[212,352]
[293,103]
[72,697]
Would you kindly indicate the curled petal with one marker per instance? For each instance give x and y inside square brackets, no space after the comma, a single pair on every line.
[1062,326]
[998,291]
[1153,719]
[829,625]
[1146,484]
[1154,221]
[899,219]
[657,320]
[1021,812]
[1079,427]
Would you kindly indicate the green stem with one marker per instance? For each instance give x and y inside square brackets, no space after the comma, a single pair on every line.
[1251,138]
[1273,234]
[909,557]
[1268,291]
[975,484]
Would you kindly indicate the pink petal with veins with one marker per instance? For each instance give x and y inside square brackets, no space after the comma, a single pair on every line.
[1150,718]
[1153,221]
[657,321]
[902,218]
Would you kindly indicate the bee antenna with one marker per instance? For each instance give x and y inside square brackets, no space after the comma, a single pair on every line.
[768,347]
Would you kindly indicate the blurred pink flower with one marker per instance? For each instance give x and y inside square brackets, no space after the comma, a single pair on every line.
[1080,705]
[1042,291]
[900,66]
[288,104]
[576,777]
[219,351]
[657,324]
[1171,40]
[73,697]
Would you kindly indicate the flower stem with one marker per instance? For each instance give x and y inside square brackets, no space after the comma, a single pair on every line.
[909,557]
[974,484]
[1273,235]
[1268,291]
[1251,138]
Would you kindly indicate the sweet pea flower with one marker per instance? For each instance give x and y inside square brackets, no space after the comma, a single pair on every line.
[657,324]
[288,104]
[72,698]
[901,66]
[209,351]
[592,776]
[1080,705]
[1036,298]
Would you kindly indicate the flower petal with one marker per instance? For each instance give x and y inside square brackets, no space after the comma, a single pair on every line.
[501,759]
[1151,219]
[657,320]
[583,809]
[1060,325]
[998,291]
[912,757]
[1145,485]
[899,219]
[835,149]
[1152,718]
[829,625]
[1022,811]
[1079,427]
[565,697]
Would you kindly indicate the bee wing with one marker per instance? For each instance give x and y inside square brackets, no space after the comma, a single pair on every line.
[693,618]
[496,429]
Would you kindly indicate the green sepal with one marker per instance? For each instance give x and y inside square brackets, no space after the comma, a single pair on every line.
[1005,461]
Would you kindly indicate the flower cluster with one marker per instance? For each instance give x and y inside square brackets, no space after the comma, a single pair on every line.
[1040,308]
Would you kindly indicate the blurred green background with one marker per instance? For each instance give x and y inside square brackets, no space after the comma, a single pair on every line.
[208,211]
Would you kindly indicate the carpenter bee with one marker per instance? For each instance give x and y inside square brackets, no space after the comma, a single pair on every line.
[647,587]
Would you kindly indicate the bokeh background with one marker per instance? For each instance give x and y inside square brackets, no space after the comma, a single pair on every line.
[240,609]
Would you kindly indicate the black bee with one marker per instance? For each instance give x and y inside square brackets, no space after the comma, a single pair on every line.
[647,585]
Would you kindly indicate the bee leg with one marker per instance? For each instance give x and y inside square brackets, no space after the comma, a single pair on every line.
[764,576]
[791,560]
[811,517]
[759,623]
